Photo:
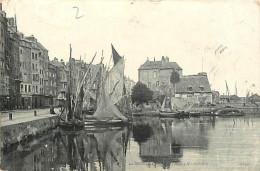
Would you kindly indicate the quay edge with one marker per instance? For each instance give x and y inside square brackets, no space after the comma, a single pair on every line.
[18,132]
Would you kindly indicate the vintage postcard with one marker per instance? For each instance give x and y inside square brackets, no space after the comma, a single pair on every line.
[129,85]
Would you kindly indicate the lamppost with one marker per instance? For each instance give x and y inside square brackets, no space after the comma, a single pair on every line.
[8,106]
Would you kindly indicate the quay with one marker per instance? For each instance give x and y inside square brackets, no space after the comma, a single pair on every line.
[24,124]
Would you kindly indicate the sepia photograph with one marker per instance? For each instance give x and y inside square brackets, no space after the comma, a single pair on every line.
[130,85]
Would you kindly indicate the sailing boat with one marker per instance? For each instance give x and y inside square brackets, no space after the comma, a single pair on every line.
[175,108]
[67,117]
[111,93]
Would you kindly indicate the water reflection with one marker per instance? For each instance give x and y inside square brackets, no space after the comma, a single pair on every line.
[151,142]
[170,137]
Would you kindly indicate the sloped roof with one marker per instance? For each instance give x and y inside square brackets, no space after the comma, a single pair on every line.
[41,46]
[194,81]
[234,97]
[160,65]
[255,97]
[57,63]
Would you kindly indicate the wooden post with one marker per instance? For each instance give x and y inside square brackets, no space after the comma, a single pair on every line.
[10,116]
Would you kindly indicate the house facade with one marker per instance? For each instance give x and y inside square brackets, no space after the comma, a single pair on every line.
[4,79]
[156,74]
[194,88]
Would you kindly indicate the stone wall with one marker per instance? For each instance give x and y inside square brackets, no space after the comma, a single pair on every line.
[12,134]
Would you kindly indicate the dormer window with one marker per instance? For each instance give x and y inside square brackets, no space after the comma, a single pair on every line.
[189,88]
[201,88]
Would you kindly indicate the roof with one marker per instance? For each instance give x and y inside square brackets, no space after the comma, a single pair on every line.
[57,63]
[255,97]
[234,97]
[194,81]
[159,65]
[41,46]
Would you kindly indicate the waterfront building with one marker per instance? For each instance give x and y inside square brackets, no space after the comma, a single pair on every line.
[156,74]
[194,88]
[25,68]
[4,78]
[78,69]
[61,81]
[15,76]
[34,69]
[129,84]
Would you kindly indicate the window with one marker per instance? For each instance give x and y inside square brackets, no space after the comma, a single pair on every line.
[33,66]
[21,51]
[189,88]
[32,55]
[29,88]
[36,89]
[25,88]
[157,83]
[155,74]
[149,84]
[201,88]
[36,56]
[21,87]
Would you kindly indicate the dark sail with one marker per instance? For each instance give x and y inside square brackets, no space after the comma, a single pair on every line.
[116,56]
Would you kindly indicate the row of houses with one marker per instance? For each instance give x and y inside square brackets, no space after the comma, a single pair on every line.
[28,78]
[156,75]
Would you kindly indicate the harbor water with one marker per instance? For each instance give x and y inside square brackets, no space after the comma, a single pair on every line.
[150,143]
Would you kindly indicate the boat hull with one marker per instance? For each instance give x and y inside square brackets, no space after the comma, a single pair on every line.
[71,125]
[225,112]
[91,121]
[174,115]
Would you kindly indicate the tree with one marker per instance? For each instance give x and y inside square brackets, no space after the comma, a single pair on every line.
[141,93]
[175,77]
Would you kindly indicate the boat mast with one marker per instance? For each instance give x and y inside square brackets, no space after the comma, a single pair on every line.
[70,113]
[99,81]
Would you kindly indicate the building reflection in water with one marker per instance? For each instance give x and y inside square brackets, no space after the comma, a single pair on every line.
[161,141]
[104,150]
[170,137]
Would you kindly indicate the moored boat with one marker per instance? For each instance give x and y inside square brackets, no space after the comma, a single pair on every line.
[228,112]
[112,91]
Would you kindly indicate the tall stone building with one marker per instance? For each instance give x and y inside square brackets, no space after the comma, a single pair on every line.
[25,68]
[156,74]
[61,72]
[34,67]
[15,77]
[129,84]
[4,78]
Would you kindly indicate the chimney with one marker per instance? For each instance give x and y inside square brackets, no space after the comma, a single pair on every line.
[147,59]
[163,60]
[154,59]
[11,21]
[166,59]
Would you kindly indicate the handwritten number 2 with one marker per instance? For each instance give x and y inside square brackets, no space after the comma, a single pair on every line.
[77,17]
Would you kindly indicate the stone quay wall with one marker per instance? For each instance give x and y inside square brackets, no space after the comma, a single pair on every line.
[15,133]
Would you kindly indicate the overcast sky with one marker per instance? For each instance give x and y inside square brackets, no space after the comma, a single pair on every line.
[185,31]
